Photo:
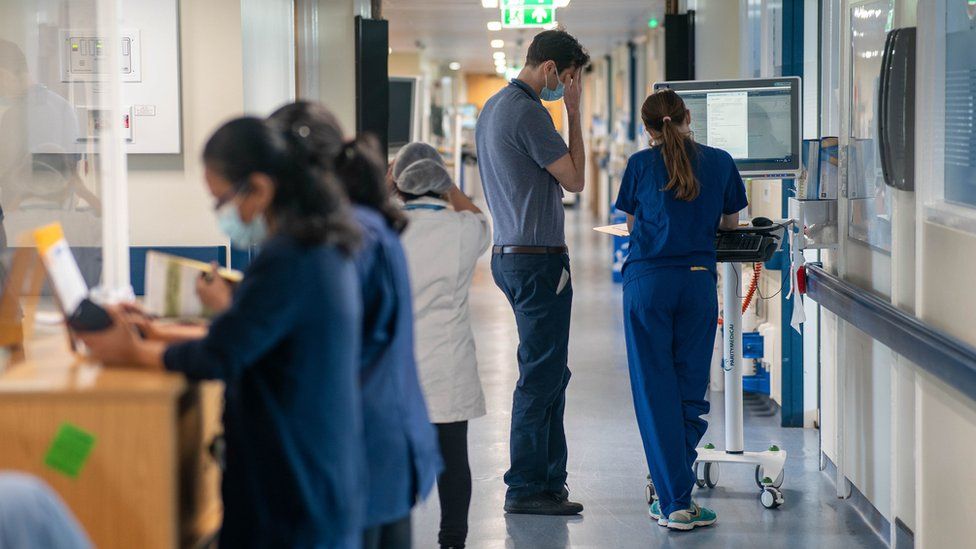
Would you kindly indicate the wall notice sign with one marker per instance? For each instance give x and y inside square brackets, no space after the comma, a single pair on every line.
[70,449]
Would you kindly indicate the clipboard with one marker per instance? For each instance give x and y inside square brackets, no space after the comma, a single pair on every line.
[620,229]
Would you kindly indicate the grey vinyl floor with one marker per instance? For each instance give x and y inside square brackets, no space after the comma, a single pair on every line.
[606,462]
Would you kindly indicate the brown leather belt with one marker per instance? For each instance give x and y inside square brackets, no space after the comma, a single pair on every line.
[538,250]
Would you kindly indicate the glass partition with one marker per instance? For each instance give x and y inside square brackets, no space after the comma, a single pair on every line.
[63,132]
[870,199]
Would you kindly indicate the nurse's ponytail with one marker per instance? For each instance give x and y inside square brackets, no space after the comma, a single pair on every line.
[358,164]
[664,113]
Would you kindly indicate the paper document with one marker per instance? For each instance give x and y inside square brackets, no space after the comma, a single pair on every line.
[619,229]
[728,122]
[171,285]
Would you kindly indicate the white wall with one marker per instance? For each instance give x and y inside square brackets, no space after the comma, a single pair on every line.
[168,202]
[337,56]
[716,39]
[887,403]
[269,54]
[221,78]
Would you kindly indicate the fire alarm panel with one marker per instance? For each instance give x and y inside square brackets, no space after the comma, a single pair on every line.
[84,55]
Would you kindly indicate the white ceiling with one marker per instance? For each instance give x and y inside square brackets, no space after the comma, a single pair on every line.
[455,30]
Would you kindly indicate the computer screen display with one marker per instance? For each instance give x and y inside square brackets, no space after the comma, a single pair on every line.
[401,111]
[757,121]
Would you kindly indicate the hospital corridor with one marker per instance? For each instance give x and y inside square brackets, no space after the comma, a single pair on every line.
[606,460]
[487,274]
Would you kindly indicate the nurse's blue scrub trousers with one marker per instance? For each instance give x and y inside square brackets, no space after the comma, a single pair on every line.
[670,317]
[538,440]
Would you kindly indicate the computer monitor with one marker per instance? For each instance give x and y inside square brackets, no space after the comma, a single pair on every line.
[404,120]
[758,121]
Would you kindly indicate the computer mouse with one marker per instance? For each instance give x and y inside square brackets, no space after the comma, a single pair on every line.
[762,222]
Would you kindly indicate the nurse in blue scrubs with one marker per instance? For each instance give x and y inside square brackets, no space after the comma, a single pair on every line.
[677,194]
[287,348]
[402,454]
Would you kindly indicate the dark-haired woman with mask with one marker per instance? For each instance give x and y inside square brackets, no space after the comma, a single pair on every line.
[401,446]
[287,348]
[676,194]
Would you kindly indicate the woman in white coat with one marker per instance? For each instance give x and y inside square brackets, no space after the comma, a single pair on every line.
[445,236]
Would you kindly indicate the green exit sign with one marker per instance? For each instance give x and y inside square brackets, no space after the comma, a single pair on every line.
[527,16]
[527,3]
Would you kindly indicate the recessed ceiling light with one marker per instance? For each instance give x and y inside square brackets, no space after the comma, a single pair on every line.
[498,43]
[500,62]
[494,25]
[489,3]
[454,65]
[500,69]
[499,55]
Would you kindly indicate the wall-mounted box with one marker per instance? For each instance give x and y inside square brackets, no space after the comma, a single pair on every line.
[92,120]
[817,221]
[148,49]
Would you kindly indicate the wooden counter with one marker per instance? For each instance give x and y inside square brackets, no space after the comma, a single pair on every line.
[149,481]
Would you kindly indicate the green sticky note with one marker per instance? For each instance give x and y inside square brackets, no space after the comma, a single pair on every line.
[69,450]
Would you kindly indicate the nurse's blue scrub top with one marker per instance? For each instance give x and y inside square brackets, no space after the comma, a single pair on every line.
[288,351]
[402,455]
[668,232]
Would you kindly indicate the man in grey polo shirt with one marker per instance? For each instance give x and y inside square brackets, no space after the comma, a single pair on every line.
[525,166]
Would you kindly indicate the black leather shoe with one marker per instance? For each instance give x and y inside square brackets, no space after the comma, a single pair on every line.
[562,494]
[543,504]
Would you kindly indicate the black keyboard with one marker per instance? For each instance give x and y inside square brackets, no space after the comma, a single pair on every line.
[737,241]
[745,245]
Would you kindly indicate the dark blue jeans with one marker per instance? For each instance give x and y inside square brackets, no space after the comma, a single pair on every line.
[542,313]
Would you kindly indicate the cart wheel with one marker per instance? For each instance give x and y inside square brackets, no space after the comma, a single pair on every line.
[699,479]
[771,497]
[711,475]
[778,483]
[650,493]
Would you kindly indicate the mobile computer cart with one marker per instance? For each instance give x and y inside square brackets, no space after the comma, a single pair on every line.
[742,245]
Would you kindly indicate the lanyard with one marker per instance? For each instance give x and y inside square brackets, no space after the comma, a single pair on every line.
[434,207]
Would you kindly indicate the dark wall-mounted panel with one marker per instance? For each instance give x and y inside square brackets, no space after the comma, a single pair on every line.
[679,46]
[372,78]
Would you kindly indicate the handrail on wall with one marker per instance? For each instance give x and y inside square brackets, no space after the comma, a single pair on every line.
[950,359]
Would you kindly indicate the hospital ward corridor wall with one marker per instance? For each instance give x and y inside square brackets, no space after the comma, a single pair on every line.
[606,462]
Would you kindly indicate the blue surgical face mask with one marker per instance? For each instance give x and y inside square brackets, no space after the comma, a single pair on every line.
[548,94]
[242,235]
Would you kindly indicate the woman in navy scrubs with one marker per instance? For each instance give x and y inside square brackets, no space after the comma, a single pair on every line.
[677,194]
[287,348]
[402,455]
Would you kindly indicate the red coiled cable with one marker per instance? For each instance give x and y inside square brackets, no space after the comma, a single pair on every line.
[753,286]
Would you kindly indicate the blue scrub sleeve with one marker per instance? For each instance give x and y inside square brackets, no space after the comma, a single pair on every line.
[538,137]
[627,196]
[264,310]
[735,192]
